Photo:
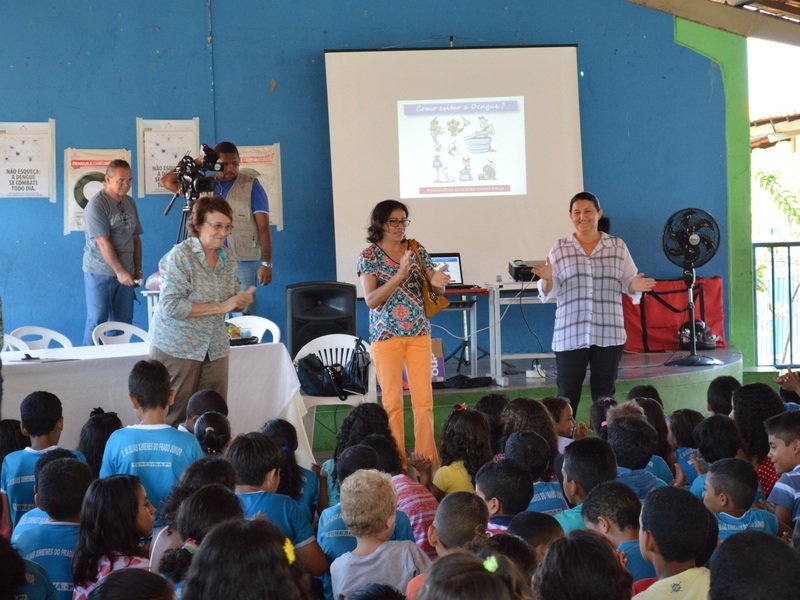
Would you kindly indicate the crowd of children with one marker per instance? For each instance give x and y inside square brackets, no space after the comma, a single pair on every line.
[526,503]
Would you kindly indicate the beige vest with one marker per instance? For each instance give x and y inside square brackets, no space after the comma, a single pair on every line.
[243,241]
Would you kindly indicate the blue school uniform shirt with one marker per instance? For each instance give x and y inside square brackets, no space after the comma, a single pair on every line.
[30,519]
[335,539]
[786,492]
[37,584]
[157,454]
[17,481]
[754,519]
[308,498]
[682,455]
[641,481]
[548,498]
[570,519]
[51,545]
[700,484]
[659,467]
[636,565]
[282,512]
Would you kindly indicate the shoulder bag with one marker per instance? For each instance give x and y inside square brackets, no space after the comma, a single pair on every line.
[434,302]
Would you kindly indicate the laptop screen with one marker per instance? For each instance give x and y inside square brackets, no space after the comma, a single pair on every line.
[453,262]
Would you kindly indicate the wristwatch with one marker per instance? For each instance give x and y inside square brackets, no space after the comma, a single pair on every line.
[266,263]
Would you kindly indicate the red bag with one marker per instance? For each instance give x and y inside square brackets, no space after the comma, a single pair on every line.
[654,324]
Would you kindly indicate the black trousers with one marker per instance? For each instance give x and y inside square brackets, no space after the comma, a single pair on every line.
[571,366]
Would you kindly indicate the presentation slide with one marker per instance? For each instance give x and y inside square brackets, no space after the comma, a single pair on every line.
[483,145]
[461,147]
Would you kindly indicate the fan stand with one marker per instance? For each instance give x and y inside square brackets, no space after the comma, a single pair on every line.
[693,360]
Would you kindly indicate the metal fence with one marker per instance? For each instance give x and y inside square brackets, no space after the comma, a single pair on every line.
[777,269]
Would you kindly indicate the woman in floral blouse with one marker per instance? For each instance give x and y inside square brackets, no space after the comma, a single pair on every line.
[391,276]
[199,286]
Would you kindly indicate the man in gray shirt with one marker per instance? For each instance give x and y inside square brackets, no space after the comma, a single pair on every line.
[112,256]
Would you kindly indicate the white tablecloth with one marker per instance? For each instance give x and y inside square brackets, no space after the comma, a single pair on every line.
[262,385]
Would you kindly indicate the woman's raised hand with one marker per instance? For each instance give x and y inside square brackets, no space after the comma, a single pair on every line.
[439,278]
[544,271]
[405,264]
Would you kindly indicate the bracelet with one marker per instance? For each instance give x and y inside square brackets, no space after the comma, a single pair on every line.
[266,263]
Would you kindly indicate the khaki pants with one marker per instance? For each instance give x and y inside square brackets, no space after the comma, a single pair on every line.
[187,376]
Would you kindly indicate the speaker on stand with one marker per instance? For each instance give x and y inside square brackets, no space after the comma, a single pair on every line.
[318,308]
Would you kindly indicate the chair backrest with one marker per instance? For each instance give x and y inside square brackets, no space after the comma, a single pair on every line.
[337,348]
[101,336]
[40,337]
[11,344]
[258,326]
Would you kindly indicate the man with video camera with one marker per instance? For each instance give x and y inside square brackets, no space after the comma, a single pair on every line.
[250,240]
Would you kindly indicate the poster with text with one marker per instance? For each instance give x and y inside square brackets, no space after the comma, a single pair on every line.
[160,146]
[28,157]
[84,176]
[462,147]
[264,163]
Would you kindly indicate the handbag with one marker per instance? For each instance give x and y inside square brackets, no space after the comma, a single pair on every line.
[356,371]
[434,302]
[317,379]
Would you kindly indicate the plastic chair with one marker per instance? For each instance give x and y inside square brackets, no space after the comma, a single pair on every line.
[258,326]
[12,344]
[42,337]
[100,337]
[331,349]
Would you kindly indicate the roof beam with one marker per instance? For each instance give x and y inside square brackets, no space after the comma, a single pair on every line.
[747,23]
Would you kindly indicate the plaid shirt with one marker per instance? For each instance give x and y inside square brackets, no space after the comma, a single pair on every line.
[589,291]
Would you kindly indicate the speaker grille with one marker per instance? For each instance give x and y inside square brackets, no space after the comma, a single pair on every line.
[318,308]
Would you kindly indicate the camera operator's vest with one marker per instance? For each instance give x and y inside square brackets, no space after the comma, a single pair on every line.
[243,240]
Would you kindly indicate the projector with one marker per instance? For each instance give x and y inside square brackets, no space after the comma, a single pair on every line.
[522,270]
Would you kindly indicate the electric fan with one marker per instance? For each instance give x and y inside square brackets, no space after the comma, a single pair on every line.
[690,240]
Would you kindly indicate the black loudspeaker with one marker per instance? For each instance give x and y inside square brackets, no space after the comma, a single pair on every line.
[318,308]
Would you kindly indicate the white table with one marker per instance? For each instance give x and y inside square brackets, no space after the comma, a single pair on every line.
[527,292]
[262,385]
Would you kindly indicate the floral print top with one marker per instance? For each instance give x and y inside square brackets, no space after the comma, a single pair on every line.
[186,279]
[404,312]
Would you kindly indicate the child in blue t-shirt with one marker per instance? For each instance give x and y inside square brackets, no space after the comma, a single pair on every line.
[717,437]
[532,451]
[42,420]
[612,510]
[506,488]
[587,463]
[151,450]
[60,488]
[783,434]
[307,488]
[257,460]
[680,427]
[730,489]
[633,441]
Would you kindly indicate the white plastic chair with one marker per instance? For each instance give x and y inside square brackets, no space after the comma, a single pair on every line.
[11,344]
[258,326]
[100,337]
[42,336]
[331,349]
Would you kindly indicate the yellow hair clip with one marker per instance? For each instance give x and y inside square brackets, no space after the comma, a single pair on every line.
[490,564]
[288,549]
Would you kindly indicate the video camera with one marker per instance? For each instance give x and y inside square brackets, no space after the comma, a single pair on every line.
[193,181]
[191,175]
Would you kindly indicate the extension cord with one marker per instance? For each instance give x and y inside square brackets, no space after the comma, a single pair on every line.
[536,373]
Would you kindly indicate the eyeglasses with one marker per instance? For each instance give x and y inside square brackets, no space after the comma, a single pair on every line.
[220,226]
[398,222]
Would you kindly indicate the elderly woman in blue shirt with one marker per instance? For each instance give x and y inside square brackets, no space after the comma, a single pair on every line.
[199,286]
[589,271]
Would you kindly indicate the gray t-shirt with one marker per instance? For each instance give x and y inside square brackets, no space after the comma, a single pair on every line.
[119,221]
[393,563]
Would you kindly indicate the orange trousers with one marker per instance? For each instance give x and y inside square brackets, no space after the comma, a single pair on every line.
[389,356]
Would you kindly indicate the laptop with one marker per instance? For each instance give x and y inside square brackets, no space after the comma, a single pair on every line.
[453,262]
